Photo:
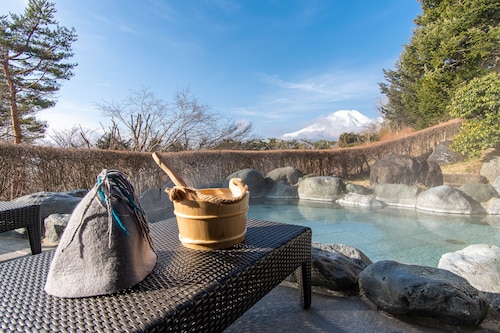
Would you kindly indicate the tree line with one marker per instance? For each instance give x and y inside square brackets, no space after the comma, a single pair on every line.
[448,69]
[35,59]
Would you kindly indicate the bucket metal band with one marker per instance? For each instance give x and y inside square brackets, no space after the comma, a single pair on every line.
[210,217]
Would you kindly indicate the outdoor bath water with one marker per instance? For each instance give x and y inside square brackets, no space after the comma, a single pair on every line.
[404,235]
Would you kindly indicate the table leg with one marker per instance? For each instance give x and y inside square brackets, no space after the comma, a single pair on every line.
[35,232]
[303,274]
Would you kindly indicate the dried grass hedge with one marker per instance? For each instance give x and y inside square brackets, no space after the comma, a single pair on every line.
[28,169]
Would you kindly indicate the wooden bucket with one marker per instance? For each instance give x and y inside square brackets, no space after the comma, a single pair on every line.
[205,225]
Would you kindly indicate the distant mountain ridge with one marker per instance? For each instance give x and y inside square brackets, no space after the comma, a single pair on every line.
[332,126]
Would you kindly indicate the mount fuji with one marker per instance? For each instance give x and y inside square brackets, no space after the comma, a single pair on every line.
[332,126]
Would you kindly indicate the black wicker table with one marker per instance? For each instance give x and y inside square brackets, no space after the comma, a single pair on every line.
[19,215]
[188,291]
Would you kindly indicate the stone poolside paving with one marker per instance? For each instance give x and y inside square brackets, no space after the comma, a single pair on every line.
[280,310]
[13,246]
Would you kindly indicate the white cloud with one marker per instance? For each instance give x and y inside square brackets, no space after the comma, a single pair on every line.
[318,93]
[287,105]
[68,114]
[274,80]
[334,85]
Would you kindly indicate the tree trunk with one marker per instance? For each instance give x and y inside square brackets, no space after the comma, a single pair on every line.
[16,127]
[14,115]
[15,119]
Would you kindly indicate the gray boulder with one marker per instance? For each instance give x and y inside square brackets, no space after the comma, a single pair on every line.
[479,192]
[337,266]
[478,263]
[496,184]
[397,194]
[156,203]
[51,202]
[442,154]
[446,199]
[77,193]
[282,190]
[405,169]
[494,299]
[325,188]
[423,292]
[458,179]
[361,200]
[491,169]
[257,185]
[492,207]
[359,189]
[288,175]
[356,254]
[54,227]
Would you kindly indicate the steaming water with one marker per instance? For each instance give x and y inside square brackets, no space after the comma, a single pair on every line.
[403,235]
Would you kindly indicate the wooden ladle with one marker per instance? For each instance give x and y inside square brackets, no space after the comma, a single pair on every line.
[236,186]
[178,181]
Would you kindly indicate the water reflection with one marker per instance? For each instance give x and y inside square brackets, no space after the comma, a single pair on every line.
[404,235]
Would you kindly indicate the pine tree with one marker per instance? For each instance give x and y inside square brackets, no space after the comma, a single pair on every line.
[33,50]
[454,42]
[478,104]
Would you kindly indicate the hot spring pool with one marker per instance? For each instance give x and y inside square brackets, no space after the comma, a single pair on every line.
[404,235]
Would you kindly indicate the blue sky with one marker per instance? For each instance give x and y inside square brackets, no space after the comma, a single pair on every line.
[279,64]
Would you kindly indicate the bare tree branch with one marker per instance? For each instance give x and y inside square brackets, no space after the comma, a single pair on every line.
[152,124]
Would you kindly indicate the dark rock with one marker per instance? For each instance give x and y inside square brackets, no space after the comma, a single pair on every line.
[404,169]
[324,188]
[257,185]
[282,190]
[334,271]
[442,154]
[494,299]
[288,175]
[423,292]
[215,184]
[337,266]
[446,199]
[479,192]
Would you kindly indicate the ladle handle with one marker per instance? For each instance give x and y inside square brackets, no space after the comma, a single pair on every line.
[178,181]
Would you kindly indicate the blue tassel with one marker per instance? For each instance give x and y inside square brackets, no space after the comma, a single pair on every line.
[113,213]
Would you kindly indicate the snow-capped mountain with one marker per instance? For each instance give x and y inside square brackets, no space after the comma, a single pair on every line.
[330,127]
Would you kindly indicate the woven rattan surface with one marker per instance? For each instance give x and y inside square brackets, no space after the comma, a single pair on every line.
[189,290]
[18,215]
